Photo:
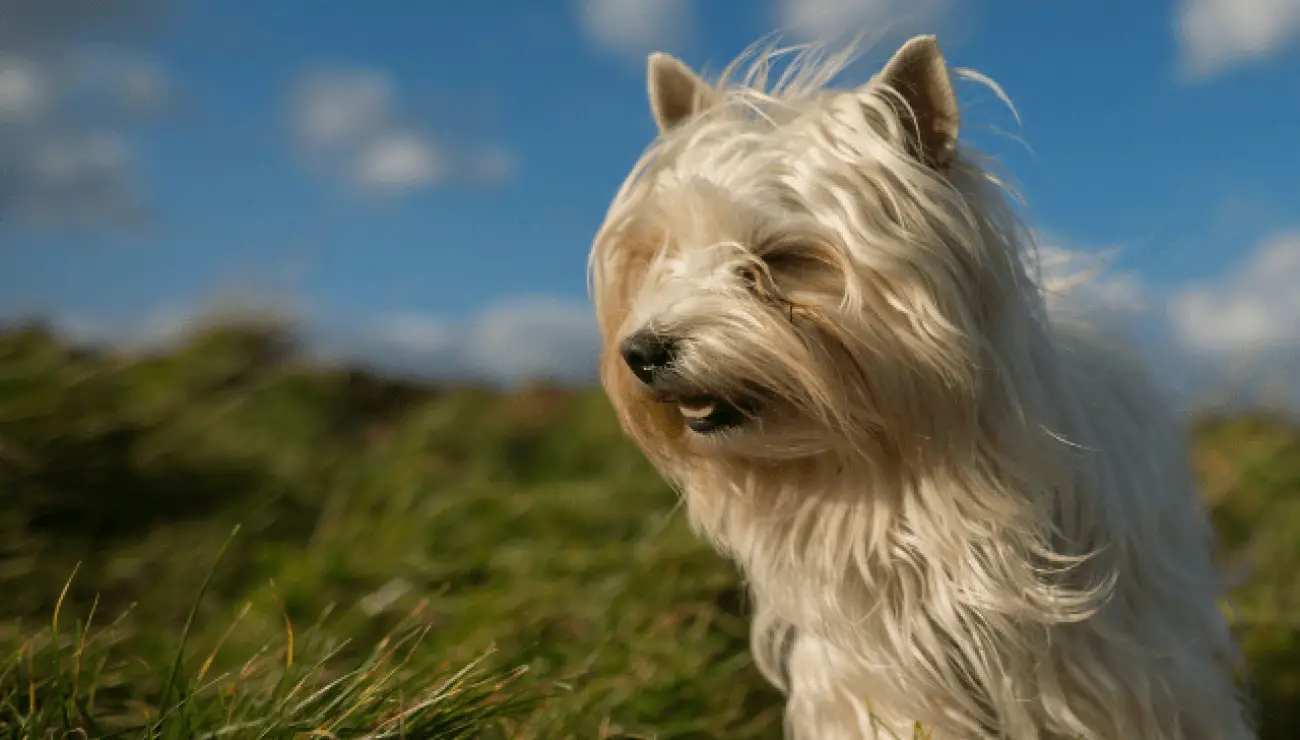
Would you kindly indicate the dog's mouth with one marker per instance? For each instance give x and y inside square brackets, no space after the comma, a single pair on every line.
[705,414]
[708,414]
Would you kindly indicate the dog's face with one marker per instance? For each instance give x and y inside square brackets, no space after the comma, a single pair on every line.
[790,276]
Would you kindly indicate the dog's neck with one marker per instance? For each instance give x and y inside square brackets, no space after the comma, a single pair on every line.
[858,555]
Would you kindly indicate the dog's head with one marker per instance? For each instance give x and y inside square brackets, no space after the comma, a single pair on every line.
[800,270]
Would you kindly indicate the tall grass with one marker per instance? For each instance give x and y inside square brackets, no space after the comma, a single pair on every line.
[85,683]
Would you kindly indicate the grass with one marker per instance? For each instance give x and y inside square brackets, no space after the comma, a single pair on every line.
[57,685]
[413,561]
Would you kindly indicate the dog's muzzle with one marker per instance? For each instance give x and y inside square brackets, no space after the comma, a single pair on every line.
[648,355]
[651,358]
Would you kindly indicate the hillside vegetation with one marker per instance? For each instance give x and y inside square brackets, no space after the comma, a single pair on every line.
[414,561]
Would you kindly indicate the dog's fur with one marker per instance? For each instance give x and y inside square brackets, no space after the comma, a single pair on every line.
[953,509]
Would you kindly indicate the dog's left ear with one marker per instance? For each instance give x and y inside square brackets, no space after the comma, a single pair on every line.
[677,94]
[918,74]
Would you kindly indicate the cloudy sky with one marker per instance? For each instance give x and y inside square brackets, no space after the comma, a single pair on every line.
[420,185]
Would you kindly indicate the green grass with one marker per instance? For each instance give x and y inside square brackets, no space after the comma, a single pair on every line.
[412,561]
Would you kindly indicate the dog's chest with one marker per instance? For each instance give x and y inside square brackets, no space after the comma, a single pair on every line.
[834,695]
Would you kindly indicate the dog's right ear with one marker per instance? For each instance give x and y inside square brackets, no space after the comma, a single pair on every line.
[677,94]
[919,76]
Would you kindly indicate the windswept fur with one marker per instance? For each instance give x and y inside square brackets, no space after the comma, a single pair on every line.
[952,509]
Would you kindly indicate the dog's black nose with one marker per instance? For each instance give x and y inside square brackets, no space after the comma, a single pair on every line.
[646,353]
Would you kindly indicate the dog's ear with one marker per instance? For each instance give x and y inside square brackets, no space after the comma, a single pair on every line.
[918,75]
[676,92]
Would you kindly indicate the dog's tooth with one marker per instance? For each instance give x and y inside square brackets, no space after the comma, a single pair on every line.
[702,411]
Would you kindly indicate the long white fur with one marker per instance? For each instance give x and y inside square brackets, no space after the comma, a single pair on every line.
[957,512]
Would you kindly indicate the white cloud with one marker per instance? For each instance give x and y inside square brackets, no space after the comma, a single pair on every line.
[1231,339]
[1082,279]
[350,124]
[399,159]
[1253,312]
[635,27]
[522,339]
[833,19]
[415,332]
[1217,34]
[335,106]
[67,115]
[24,91]
[533,337]
[81,177]
[168,323]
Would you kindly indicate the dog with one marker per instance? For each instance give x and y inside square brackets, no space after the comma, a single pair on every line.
[960,512]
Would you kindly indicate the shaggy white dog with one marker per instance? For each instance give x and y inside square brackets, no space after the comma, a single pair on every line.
[958,515]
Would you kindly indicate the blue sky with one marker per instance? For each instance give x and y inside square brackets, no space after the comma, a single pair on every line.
[424,180]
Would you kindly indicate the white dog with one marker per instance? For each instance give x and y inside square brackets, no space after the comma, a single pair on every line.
[958,515]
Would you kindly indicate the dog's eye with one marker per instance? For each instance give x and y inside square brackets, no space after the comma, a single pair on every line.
[792,264]
[754,277]
[770,271]
[788,261]
[781,266]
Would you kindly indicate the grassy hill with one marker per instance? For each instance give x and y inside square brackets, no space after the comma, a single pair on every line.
[413,561]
